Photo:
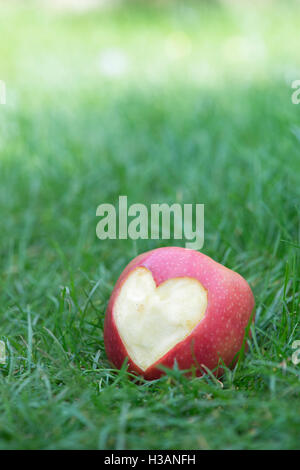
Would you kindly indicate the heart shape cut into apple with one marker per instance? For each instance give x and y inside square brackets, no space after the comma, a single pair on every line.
[152,319]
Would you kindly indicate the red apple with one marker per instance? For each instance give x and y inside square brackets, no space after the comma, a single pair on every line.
[176,304]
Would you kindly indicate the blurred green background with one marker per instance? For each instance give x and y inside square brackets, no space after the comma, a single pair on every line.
[162,101]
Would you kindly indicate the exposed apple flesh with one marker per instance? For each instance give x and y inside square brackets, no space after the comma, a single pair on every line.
[152,320]
[175,304]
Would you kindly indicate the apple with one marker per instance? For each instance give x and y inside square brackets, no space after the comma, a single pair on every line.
[176,304]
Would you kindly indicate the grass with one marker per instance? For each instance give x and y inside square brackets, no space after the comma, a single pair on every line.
[201,112]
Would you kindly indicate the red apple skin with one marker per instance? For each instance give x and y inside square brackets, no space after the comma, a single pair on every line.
[219,334]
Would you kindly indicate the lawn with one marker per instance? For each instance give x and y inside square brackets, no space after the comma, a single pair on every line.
[162,102]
